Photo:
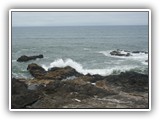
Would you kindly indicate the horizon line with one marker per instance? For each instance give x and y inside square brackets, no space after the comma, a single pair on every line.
[78,25]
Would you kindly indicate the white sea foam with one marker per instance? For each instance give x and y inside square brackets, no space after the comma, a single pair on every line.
[79,68]
[141,57]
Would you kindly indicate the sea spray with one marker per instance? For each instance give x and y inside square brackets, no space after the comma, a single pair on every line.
[79,68]
[140,57]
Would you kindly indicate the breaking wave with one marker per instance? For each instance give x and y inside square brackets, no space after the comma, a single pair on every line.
[79,68]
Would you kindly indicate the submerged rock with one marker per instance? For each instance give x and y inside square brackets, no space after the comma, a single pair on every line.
[25,58]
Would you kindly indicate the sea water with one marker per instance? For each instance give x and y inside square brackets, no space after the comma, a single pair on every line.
[85,48]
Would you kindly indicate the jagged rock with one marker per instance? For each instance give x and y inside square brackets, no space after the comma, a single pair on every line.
[19,101]
[36,71]
[54,73]
[17,86]
[61,73]
[140,52]
[21,96]
[114,91]
[25,58]
[126,90]
[66,87]
[128,54]
[119,53]
[129,81]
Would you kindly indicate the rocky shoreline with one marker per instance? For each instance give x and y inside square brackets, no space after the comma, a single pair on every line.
[66,88]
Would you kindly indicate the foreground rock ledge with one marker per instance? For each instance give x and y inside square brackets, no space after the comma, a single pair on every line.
[57,88]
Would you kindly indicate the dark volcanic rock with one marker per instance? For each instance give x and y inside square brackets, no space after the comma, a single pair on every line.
[140,52]
[61,73]
[21,96]
[129,81]
[127,90]
[36,70]
[63,88]
[54,73]
[17,86]
[136,52]
[25,58]
[19,101]
[126,53]
[119,53]
[54,90]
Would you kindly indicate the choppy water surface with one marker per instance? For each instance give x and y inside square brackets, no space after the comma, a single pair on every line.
[84,48]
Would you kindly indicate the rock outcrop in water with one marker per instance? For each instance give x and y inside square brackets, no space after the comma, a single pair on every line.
[25,58]
[120,53]
[125,53]
[54,73]
[57,88]
[36,70]
[140,52]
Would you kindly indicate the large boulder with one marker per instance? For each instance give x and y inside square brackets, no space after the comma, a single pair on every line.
[18,86]
[21,97]
[54,73]
[25,58]
[61,73]
[36,71]
[19,101]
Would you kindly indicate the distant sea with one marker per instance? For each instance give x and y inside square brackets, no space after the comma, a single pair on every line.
[85,48]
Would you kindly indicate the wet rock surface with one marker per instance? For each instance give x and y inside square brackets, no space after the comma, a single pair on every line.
[120,53]
[36,70]
[140,52]
[51,89]
[125,53]
[53,73]
[25,58]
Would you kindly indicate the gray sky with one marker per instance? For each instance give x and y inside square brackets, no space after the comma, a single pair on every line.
[78,18]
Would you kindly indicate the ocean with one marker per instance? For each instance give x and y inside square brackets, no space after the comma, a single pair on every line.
[85,48]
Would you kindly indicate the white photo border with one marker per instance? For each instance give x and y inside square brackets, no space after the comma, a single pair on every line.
[80,10]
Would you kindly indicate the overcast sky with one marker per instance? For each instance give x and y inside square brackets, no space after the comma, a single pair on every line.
[78,18]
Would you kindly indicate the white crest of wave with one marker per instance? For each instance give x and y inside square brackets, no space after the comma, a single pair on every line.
[134,56]
[79,68]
